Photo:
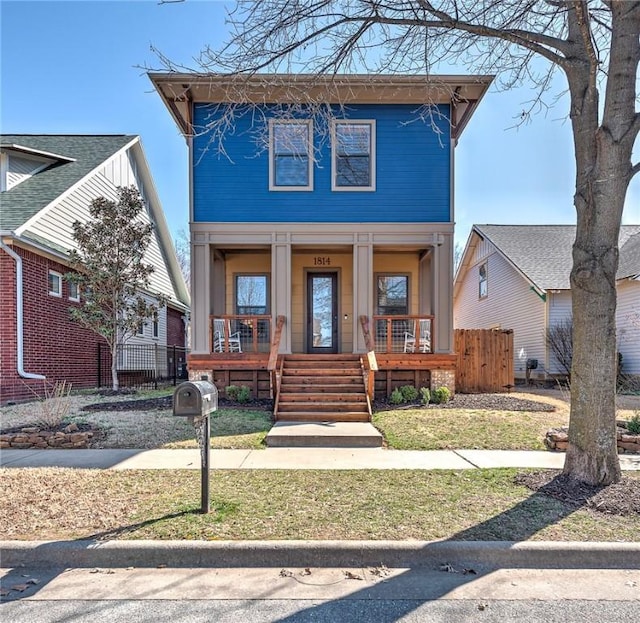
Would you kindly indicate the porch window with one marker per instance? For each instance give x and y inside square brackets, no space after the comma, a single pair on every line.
[252,295]
[353,160]
[290,158]
[482,281]
[55,283]
[393,295]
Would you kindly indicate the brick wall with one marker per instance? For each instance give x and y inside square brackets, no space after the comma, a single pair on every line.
[54,345]
[175,328]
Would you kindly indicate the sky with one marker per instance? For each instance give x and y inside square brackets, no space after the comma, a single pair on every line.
[78,67]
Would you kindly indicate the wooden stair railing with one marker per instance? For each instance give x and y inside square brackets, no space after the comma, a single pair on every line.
[272,365]
[369,363]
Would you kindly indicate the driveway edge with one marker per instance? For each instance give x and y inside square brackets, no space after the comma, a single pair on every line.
[398,554]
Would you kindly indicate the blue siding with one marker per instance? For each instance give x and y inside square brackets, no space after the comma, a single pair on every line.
[412,176]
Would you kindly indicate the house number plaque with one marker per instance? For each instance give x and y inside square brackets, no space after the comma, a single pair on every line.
[321,261]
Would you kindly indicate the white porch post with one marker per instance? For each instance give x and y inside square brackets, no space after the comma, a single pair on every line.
[362,288]
[281,288]
[200,298]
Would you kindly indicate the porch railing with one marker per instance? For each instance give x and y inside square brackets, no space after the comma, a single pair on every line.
[403,334]
[239,333]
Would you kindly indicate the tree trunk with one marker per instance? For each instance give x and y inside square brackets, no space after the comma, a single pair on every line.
[114,368]
[603,173]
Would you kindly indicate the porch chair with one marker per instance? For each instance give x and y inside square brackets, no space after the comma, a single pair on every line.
[220,328]
[424,337]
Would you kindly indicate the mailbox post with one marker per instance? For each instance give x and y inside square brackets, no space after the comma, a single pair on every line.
[195,400]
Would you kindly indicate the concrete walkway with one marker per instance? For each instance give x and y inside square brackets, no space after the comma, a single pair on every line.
[293,458]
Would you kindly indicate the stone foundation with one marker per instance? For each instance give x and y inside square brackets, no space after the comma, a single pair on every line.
[31,437]
[557,439]
[443,378]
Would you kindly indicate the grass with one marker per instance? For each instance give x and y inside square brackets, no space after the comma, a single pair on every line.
[233,428]
[55,503]
[440,429]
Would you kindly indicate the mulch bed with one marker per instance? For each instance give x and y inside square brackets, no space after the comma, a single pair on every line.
[622,498]
[166,402]
[491,402]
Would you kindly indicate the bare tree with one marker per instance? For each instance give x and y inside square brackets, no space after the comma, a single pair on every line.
[559,339]
[183,253]
[594,43]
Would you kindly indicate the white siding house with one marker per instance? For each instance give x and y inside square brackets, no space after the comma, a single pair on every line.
[517,277]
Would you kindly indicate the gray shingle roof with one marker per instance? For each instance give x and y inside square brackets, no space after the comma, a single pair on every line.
[543,252]
[20,203]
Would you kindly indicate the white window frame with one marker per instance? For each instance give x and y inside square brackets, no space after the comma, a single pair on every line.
[58,276]
[155,331]
[272,165]
[76,298]
[372,155]
[140,329]
[481,294]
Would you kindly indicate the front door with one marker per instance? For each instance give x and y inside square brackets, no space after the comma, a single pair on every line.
[322,312]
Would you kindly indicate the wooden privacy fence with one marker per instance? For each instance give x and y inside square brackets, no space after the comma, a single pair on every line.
[485,360]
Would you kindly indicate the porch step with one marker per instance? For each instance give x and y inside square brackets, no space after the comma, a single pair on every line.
[323,435]
[322,388]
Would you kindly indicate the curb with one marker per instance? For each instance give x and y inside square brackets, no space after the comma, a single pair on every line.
[394,554]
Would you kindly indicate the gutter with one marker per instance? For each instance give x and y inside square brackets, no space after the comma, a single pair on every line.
[20,316]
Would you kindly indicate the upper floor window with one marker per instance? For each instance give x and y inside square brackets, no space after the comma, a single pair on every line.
[290,155]
[393,295]
[354,157]
[55,283]
[252,294]
[74,291]
[482,280]
[156,327]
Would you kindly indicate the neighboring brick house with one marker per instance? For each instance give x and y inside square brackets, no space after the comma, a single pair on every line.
[47,182]
[517,277]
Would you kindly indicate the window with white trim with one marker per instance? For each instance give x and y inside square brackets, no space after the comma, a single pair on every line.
[354,156]
[74,292]
[156,327]
[55,283]
[290,155]
[140,329]
[482,281]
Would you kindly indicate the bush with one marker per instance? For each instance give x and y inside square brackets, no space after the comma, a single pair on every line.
[425,395]
[633,425]
[396,397]
[244,394]
[409,393]
[441,395]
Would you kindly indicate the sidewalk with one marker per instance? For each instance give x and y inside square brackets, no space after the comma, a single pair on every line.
[293,458]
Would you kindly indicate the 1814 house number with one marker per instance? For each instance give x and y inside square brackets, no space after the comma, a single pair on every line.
[321,261]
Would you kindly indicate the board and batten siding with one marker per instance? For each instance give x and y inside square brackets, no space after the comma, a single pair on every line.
[413,173]
[509,304]
[628,325]
[56,224]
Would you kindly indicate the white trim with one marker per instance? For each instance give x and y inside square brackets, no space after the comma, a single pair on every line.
[55,273]
[372,155]
[484,264]
[272,169]
[4,169]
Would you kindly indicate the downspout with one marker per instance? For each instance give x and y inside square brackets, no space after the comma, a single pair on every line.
[19,316]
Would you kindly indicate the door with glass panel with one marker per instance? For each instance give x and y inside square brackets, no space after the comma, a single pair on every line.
[322,312]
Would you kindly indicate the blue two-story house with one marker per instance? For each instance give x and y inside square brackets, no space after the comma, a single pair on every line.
[321,220]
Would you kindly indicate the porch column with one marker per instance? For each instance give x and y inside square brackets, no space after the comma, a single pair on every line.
[362,288]
[281,288]
[200,298]
[443,293]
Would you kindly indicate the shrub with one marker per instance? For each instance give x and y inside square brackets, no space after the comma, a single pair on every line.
[441,395]
[52,408]
[232,392]
[633,425]
[425,395]
[244,394]
[396,397]
[409,393]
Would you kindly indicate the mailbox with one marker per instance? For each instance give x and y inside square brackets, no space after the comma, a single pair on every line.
[195,399]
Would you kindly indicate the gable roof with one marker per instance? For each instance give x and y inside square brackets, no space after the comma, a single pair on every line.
[543,253]
[25,200]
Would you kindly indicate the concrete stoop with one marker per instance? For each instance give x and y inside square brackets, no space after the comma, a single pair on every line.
[323,435]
